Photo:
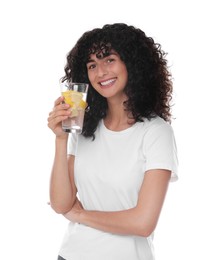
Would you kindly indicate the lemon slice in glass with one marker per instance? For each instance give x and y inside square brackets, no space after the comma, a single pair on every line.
[76,97]
[67,97]
[82,104]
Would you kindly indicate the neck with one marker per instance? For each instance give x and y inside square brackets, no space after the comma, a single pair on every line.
[117,118]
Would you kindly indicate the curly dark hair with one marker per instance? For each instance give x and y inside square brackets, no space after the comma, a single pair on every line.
[149,86]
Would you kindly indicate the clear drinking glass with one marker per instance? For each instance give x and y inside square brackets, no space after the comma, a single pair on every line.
[75,94]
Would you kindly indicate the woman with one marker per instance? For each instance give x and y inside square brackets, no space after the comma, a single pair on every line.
[112,180]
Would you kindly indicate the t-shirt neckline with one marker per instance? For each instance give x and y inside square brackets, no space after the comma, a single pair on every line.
[127,130]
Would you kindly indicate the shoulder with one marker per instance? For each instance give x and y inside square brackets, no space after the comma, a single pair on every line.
[157,133]
[156,125]
[159,146]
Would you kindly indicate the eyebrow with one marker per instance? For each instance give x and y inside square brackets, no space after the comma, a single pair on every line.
[110,53]
[90,60]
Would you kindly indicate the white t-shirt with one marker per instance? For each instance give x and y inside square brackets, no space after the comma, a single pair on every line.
[109,172]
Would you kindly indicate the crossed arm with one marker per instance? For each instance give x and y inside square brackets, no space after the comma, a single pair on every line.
[140,220]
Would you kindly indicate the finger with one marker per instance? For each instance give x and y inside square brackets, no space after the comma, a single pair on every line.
[53,122]
[61,106]
[58,100]
[58,113]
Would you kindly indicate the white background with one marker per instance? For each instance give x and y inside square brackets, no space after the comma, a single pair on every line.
[35,38]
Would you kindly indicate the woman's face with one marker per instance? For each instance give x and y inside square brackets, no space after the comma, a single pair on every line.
[108,75]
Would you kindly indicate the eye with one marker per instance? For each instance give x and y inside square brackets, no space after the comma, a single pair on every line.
[110,60]
[91,66]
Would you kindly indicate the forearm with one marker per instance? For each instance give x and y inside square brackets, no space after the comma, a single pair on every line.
[62,194]
[119,222]
[125,222]
[140,220]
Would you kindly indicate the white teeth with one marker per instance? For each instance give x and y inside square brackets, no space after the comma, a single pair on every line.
[105,83]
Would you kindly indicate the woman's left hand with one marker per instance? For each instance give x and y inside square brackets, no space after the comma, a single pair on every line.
[74,214]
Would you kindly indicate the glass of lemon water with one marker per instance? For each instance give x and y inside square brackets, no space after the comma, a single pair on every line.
[75,94]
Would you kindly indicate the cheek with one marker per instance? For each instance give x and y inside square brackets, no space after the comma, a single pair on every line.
[124,72]
[91,77]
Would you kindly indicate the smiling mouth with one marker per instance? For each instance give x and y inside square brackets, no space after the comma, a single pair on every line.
[107,82]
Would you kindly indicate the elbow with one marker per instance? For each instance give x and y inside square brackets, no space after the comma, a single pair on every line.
[60,209]
[145,228]
[144,222]
[146,232]
[60,205]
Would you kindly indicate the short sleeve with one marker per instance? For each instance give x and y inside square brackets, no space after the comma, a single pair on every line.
[72,144]
[160,149]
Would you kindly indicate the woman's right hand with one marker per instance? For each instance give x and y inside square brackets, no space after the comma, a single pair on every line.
[61,111]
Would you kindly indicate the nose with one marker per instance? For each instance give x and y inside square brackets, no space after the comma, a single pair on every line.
[101,70]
